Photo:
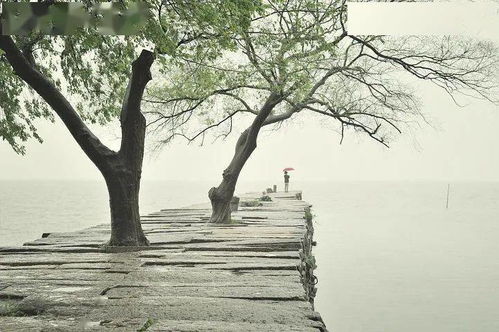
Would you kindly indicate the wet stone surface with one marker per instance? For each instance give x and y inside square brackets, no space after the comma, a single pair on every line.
[246,276]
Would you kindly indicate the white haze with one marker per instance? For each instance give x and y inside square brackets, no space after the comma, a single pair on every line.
[458,146]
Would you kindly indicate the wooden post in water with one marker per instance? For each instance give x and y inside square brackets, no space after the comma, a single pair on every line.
[448,190]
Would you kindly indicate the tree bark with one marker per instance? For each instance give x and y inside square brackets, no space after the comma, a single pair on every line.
[124,174]
[121,170]
[123,177]
[126,229]
[221,196]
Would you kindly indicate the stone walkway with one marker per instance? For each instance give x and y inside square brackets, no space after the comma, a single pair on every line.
[246,276]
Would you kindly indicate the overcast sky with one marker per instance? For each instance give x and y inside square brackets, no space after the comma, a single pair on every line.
[461,144]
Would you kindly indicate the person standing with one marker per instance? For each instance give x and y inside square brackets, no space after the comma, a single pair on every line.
[286,181]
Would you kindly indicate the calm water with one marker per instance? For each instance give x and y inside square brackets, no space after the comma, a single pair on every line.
[391,258]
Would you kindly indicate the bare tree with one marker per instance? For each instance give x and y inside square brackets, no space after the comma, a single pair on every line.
[297,56]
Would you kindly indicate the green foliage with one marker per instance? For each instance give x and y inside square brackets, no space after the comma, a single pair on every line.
[233,221]
[254,203]
[266,198]
[286,47]
[308,215]
[92,70]
[310,261]
[300,49]
[9,309]
[27,307]
[146,325]
[16,116]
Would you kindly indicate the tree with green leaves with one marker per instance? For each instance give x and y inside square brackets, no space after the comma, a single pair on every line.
[82,78]
[296,56]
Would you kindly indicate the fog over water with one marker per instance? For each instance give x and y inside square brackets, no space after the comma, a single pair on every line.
[390,256]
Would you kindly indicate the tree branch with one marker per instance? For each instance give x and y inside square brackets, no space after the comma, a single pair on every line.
[133,123]
[22,67]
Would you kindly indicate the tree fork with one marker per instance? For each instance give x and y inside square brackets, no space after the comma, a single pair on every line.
[123,180]
[121,170]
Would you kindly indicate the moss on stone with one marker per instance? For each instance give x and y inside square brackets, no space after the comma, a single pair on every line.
[27,307]
[254,203]
[146,325]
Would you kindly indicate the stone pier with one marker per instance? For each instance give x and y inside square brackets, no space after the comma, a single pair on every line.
[255,274]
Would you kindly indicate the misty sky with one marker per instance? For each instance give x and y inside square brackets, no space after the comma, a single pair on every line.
[460,144]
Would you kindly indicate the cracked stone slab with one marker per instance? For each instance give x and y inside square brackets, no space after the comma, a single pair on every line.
[194,277]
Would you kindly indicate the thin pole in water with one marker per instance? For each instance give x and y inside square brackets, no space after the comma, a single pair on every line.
[448,189]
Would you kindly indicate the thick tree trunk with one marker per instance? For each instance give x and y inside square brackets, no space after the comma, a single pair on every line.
[123,183]
[122,170]
[220,205]
[124,173]
[221,196]
[126,229]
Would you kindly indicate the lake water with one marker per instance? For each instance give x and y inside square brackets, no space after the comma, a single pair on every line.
[390,256]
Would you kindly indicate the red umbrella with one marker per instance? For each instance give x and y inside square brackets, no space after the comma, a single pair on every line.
[288,169]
